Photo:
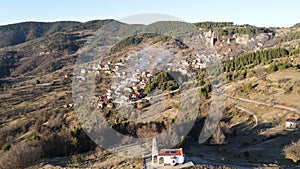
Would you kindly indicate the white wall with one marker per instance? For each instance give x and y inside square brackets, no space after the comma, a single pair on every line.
[169,159]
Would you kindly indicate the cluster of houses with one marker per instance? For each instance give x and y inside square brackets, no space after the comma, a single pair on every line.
[132,83]
[195,64]
[139,81]
[198,64]
[105,100]
[132,92]
[126,89]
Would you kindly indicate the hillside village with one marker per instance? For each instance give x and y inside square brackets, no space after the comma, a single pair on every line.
[132,84]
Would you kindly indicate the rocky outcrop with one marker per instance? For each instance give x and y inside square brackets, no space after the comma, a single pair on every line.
[210,37]
[243,39]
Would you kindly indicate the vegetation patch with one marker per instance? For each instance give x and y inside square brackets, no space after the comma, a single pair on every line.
[290,37]
[292,151]
[246,30]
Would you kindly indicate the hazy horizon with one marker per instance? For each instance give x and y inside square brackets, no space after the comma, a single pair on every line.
[274,13]
[121,20]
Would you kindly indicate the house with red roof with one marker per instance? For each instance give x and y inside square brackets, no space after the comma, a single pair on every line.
[170,156]
[166,156]
[290,123]
[136,95]
[100,104]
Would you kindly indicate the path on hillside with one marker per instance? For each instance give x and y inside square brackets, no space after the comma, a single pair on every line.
[249,112]
[264,104]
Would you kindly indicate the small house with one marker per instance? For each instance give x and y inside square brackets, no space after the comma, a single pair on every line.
[70,104]
[170,156]
[136,95]
[107,72]
[290,123]
[108,94]
[83,71]
[202,65]
[100,104]
[149,75]
[106,67]
[166,156]
[109,98]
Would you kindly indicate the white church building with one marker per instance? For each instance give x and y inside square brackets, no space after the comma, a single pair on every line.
[166,156]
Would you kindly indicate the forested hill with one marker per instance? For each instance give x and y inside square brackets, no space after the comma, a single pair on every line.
[14,34]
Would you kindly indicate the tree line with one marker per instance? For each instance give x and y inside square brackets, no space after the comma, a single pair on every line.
[238,67]
[254,58]
[209,24]
[290,37]
[163,81]
[247,30]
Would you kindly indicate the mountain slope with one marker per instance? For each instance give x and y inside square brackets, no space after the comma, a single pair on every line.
[14,34]
[37,109]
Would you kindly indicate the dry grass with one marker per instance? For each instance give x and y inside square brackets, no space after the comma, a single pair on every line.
[292,151]
[20,156]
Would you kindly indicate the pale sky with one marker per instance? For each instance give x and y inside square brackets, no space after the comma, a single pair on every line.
[281,13]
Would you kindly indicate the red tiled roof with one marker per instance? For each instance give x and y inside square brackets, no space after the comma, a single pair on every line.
[171,152]
[290,120]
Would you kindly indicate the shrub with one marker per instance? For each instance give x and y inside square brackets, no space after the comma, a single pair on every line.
[37,81]
[247,87]
[292,151]
[20,156]
[66,143]
[56,145]
[75,159]
[205,89]
[6,147]
[246,154]
[272,68]
[4,70]
[132,41]
[161,39]
[163,81]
